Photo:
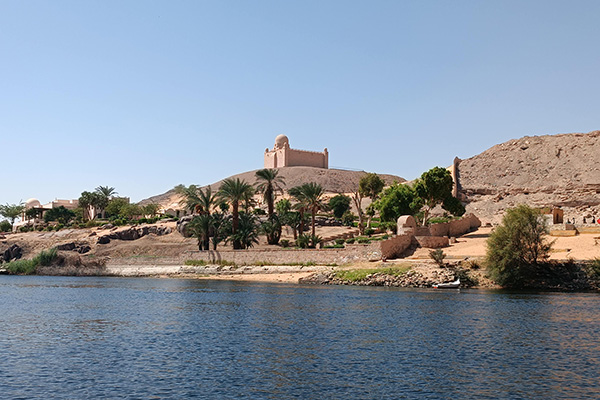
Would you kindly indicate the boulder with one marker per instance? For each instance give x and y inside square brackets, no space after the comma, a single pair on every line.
[14,252]
[103,240]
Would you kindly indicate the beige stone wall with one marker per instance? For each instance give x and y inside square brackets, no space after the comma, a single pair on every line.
[395,246]
[432,242]
[287,157]
[454,228]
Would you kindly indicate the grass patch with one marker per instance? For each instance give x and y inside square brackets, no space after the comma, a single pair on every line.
[355,275]
[28,267]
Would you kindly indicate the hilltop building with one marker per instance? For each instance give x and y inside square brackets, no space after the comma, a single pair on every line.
[283,156]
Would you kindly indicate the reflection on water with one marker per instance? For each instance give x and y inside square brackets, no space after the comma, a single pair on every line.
[152,338]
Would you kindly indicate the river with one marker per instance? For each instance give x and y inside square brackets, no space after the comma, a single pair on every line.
[142,338]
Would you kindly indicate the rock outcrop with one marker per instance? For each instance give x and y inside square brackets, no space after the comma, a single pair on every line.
[542,171]
[14,252]
[134,233]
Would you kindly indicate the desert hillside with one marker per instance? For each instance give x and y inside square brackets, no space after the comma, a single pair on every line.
[551,170]
[332,180]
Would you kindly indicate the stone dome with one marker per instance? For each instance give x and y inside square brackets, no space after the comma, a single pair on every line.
[32,203]
[281,141]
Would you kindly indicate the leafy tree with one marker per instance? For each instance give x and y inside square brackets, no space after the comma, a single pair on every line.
[115,206]
[197,200]
[269,183]
[91,202]
[453,205]
[369,185]
[397,200]
[60,214]
[235,191]
[517,247]
[12,211]
[310,198]
[131,211]
[339,204]
[433,188]
[34,213]
[150,209]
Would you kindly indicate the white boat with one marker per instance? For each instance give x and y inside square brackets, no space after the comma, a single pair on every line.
[449,285]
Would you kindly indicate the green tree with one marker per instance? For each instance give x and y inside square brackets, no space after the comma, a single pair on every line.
[269,184]
[150,209]
[60,214]
[271,227]
[5,226]
[115,206]
[200,228]
[310,198]
[247,233]
[369,185]
[287,216]
[517,247]
[433,188]
[339,204]
[91,202]
[12,211]
[197,200]
[234,192]
[107,193]
[131,211]
[397,200]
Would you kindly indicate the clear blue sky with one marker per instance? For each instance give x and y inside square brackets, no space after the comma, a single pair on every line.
[144,95]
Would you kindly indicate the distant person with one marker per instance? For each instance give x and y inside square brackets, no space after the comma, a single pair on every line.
[584,221]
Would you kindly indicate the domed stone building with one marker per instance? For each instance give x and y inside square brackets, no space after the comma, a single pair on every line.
[283,156]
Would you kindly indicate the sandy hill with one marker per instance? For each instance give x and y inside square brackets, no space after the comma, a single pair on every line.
[551,170]
[332,180]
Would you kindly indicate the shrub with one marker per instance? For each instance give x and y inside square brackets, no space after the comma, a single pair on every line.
[363,240]
[369,231]
[350,241]
[26,267]
[517,247]
[335,246]
[284,243]
[438,256]
[355,275]
[308,241]
[339,241]
[5,226]
[46,257]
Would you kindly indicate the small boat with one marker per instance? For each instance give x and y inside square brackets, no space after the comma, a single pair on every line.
[449,285]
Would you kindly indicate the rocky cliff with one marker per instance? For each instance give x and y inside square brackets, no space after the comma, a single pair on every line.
[542,171]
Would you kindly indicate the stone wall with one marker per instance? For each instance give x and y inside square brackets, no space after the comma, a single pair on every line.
[395,246]
[432,242]
[454,228]
[287,157]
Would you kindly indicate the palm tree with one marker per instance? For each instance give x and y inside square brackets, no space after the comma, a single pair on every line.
[235,191]
[207,200]
[310,196]
[106,193]
[201,227]
[269,184]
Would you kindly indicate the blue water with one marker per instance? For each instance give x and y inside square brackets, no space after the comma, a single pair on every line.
[80,338]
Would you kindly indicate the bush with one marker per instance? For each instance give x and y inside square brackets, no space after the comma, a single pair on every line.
[517,247]
[46,257]
[438,256]
[5,226]
[335,246]
[308,241]
[350,241]
[339,241]
[18,267]
[369,231]
[363,240]
[284,243]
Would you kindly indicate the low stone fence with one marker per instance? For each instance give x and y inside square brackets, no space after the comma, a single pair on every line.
[454,228]
[395,246]
[432,242]
[352,253]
